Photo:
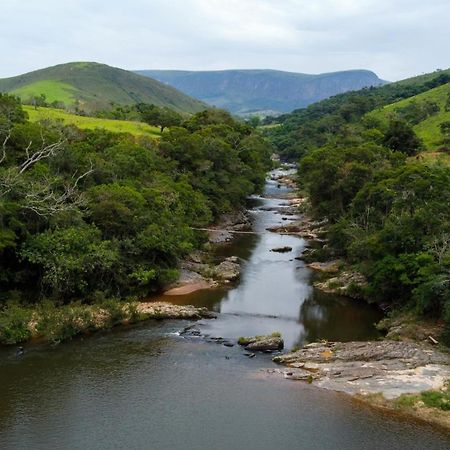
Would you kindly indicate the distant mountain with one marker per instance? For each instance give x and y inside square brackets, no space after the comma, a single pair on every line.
[263,91]
[97,86]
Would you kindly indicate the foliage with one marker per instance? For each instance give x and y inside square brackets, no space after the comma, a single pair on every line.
[363,168]
[342,117]
[14,320]
[89,213]
[401,137]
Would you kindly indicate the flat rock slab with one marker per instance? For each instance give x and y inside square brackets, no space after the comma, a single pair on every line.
[390,367]
[163,310]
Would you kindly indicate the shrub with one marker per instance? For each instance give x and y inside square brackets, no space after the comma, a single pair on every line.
[14,323]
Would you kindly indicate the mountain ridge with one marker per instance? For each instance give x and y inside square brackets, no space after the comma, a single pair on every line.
[243,91]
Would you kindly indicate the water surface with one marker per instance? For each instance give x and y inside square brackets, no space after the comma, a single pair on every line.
[148,387]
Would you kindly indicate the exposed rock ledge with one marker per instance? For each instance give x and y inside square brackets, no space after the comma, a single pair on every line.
[388,367]
[196,274]
[163,310]
[268,343]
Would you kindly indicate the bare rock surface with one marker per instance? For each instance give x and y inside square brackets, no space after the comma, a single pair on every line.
[164,310]
[262,343]
[388,367]
[349,283]
[325,267]
[228,270]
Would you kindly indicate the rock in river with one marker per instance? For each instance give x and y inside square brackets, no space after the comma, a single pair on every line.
[262,343]
[282,249]
[228,270]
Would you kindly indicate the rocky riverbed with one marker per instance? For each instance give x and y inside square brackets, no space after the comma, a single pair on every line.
[388,367]
[406,364]
[198,271]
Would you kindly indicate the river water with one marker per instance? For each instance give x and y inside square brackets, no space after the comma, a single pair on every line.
[149,387]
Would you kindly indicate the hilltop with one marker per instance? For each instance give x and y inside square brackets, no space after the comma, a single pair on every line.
[95,86]
[265,92]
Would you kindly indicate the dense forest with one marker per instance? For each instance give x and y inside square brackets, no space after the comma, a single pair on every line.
[387,199]
[93,214]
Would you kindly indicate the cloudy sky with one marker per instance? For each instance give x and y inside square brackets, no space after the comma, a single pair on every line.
[394,38]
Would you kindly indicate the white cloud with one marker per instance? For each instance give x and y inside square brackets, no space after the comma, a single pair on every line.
[395,38]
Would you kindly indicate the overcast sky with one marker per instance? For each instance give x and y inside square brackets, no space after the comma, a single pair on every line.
[394,38]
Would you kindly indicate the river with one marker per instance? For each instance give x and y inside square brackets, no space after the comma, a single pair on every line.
[149,387]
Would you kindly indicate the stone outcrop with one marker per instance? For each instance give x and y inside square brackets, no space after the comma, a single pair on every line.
[268,343]
[388,367]
[325,267]
[348,283]
[285,249]
[228,270]
[163,310]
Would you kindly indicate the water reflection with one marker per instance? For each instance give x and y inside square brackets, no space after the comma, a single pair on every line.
[275,292]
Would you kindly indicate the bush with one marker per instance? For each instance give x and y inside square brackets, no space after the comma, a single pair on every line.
[14,323]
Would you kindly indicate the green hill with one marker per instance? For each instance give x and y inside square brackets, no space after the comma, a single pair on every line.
[92,123]
[426,112]
[96,86]
[263,92]
[321,122]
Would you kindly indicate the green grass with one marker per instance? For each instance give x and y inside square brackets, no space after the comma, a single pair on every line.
[429,129]
[431,399]
[92,123]
[53,91]
[98,87]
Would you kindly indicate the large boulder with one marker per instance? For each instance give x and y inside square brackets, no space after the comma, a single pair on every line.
[271,342]
[228,270]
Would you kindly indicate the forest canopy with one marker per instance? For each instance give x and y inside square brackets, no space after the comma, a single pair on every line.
[92,213]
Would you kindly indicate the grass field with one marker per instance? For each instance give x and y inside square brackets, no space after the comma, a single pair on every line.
[53,91]
[92,123]
[429,129]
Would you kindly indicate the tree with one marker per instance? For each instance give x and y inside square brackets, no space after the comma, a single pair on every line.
[445,131]
[400,136]
[159,117]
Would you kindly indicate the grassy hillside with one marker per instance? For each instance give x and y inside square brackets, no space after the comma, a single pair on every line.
[263,91]
[92,123]
[322,122]
[96,86]
[429,128]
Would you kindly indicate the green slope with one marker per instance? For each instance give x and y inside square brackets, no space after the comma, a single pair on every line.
[96,86]
[91,123]
[429,128]
[320,123]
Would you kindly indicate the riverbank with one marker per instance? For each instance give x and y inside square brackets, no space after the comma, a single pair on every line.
[50,323]
[47,322]
[407,371]
[407,377]
[200,271]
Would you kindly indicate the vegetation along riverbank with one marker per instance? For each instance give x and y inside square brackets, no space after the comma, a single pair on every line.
[376,196]
[88,215]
